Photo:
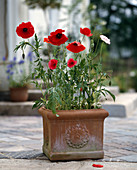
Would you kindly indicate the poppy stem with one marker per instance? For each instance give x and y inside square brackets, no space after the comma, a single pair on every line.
[96,46]
[83,38]
[101,52]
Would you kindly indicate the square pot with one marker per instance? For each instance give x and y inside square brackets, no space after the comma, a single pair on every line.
[74,135]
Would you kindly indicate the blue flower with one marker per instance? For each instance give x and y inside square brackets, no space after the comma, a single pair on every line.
[9,66]
[8,71]
[30,59]
[8,77]
[4,58]
[30,54]
[21,62]
[11,73]
[14,59]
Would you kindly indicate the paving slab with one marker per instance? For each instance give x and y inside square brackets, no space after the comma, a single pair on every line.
[14,164]
[128,158]
[22,155]
[124,105]
[17,108]
[22,137]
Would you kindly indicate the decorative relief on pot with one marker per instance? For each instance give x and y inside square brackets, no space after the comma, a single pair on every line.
[77,136]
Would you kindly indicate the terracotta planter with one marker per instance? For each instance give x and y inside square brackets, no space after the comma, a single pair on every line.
[19,94]
[74,135]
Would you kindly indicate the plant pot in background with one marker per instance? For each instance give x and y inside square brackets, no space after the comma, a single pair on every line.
[74,135]
[19,94]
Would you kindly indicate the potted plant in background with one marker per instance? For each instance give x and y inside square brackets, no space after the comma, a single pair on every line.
[72,116]
[18,77]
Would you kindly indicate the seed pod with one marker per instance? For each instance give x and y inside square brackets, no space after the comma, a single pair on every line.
[92,44]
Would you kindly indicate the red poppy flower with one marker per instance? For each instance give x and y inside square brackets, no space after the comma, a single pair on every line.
[46,40]
[25,30]
[86,31]
[71,62]
[97,165]
[76,47]
[57,38]
[81,89]
[53,64]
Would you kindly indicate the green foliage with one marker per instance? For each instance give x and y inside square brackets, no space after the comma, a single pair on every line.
[121,81]
[79,87]
[120,17]
[133,79]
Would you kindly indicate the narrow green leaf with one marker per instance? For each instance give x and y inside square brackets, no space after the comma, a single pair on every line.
[112,95]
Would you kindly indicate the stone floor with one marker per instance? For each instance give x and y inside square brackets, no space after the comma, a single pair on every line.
[23,164]
[21,138]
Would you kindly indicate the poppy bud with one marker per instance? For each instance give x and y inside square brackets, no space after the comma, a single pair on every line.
[23,55]
[109,83]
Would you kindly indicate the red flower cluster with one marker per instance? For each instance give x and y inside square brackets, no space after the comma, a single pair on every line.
[25,30]
[53,64]
[71,62]
[86,31]
[76,47]
[57,38]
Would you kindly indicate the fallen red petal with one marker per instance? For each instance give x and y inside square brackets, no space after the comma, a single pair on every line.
[97,165]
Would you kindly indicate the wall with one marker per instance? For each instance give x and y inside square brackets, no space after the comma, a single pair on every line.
[3,82]
[2,48]
[16,13]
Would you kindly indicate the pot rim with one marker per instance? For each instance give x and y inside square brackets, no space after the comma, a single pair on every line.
[74,114]
[14,88]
